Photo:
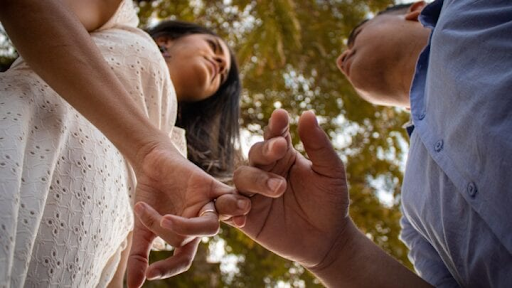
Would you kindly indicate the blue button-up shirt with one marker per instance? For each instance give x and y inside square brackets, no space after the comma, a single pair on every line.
[457,191]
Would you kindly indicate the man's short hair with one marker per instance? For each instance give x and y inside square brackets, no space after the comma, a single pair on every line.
[397,9]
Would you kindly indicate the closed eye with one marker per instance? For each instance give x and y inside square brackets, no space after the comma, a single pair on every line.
[213,45]
[354,33]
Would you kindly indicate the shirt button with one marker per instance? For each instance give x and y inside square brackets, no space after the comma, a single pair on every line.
[439,146]
[471,189]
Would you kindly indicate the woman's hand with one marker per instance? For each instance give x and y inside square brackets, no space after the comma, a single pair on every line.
[190,230]
[170,184]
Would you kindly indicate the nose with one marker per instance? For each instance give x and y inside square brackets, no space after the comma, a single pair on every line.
[221,61]
[341,59]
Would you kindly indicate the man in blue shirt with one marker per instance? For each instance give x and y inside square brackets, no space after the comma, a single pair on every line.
[456,191]
[455,194]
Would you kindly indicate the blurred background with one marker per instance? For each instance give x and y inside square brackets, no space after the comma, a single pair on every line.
[287,51]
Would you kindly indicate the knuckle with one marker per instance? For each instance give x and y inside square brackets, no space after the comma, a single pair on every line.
[261,179]
[148,220]
[187,263]
[177,241]
[237,173]
[139,259]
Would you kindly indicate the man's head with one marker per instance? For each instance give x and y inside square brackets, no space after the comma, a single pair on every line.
[382,54]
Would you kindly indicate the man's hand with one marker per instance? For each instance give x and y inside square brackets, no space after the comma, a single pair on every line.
[305,222]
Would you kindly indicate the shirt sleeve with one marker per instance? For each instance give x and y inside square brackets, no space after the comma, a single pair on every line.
[426,260]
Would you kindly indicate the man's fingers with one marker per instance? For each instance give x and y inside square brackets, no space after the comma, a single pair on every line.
[251,180]
[139,254]
[277,125]
[267,152]
[232,205]
[207,224]
[178,263]
[239,221]
[318,147]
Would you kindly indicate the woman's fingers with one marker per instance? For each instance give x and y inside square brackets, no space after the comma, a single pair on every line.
[139,255]
[207,224]
[151,219]
[178,263]
[171,227]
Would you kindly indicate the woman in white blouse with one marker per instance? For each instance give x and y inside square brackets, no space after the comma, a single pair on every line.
[85,118]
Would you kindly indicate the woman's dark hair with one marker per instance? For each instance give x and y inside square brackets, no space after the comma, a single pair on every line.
[211,125]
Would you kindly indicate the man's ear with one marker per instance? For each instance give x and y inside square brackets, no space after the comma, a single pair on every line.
[415,10]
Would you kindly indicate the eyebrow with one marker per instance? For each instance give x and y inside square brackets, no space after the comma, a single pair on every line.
[354,32]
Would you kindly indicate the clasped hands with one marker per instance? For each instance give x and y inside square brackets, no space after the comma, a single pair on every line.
[294,206]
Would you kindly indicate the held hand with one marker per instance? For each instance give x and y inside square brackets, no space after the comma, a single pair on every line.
[207,223]
[171,185]
[305,223]
[306,220]
[170,226]
[299,207]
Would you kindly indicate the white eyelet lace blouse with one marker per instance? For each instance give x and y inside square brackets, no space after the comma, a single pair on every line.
[65,190]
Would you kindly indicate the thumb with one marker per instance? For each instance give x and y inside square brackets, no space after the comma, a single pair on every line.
[325,161]
[138,260]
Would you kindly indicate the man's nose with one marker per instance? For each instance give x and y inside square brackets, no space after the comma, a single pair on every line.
[341,59]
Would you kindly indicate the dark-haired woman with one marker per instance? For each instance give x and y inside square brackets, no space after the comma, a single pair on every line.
[85,120]
[208,114]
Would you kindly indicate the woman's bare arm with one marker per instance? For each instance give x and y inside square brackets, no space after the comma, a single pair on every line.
[56,45]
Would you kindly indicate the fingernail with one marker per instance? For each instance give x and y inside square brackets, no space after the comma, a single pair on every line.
[139,208]
[239,221]
[269,145]
[242,204]
[166,223]
[274,184]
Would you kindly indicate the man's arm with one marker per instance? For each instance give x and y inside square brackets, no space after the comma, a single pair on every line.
[326,242]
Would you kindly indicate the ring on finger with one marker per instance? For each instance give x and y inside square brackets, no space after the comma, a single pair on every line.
[207,211]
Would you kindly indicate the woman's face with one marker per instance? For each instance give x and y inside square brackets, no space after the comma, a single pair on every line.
[198,65]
